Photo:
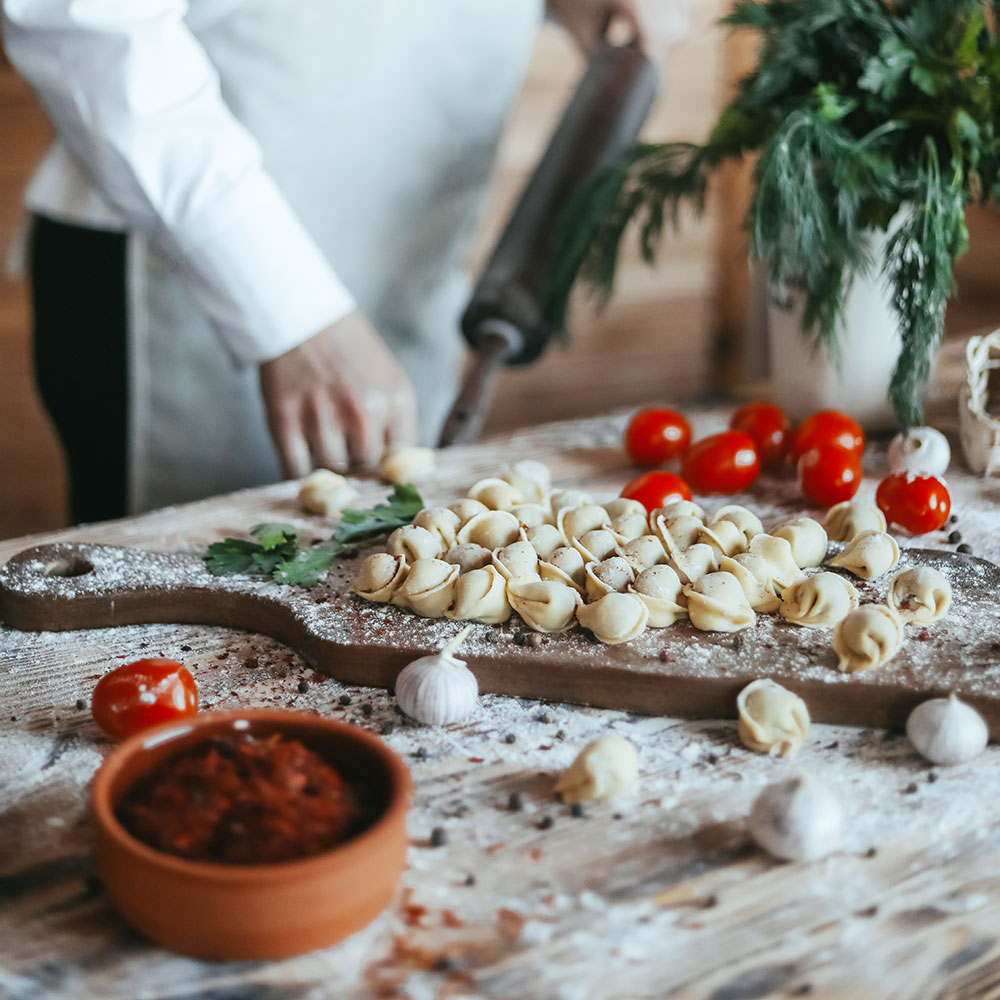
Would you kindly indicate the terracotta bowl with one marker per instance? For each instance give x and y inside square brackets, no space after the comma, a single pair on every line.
[228,911]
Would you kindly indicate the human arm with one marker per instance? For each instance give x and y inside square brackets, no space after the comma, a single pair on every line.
[588,21]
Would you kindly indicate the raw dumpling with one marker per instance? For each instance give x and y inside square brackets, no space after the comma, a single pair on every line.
[560,499]
[920,595]
[818,601]
[754,574]
[612,574]
[564,565]
[845,520]
[414,543]
[677,533]
[622,506]
[481,596]
[406,464]
[643,552]
[517,561]
[772,719]
[429,588]
[441,522]
[607,766]
[784,569]
[867,638]
[576,521]
[694,562]
[746,520]
[629,526]
[380,576]
[325,493]
[469,556]
[492,529]
[868,555]
[497,494]
[531,477]
[807,539]
[677,508]
[716,603]
[544,605]
[530,515]
[545,539]
[725,537]
[467,509]
[614,618]
[661,590]
[596,545]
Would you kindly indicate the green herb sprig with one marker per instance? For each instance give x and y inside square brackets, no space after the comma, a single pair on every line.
[276,553]
[860,111]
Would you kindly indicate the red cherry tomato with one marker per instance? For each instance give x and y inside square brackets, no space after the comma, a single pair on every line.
[769,429]
[657,489]
[914,500]
[656,436]
[722,463]
[141,694]
[827,427]
[829,474]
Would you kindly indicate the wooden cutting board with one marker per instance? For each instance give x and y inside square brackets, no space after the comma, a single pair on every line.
[678,671]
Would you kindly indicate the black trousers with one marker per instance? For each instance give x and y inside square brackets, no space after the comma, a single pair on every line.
[78,291]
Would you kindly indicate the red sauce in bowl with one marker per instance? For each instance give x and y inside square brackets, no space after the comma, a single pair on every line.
[242,799]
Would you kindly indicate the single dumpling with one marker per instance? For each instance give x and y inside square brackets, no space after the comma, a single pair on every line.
[725,537]
[746,520]
[481,596]
[614,618]
[679,507]
[574,522]
[806,538]
[868,555]
[560,499]
[531,478]
[564,565]
[612,574]
[544,539]
[469,556]
[661,590]
[868,637]
[407,464]
[622,506]
[772,719]
[531,515]
[545,606]
[754,574]
[920,595]
[818,601]
[716,603]
[496,494]
[439,521]
[429,588]
[642,552]
[380,576]
[629,526]
[465,510]
[695,562]
[493,529]
[413,543]
[607,766]
[850,517]
[677,532]
[596,545]
[784,569]
[517,561]
[325,493]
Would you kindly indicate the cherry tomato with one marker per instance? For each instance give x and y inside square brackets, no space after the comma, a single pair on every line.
[657,489]
[915,501]
[769,429]
[138,695]
[722,463]
[829,474]
[827,427]
[656,436]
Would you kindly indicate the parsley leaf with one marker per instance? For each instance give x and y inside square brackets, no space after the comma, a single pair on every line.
[234,555]
[401,508]
[305,569]
[273,536]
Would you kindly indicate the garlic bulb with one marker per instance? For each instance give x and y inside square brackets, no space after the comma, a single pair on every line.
[921,449]
[607,766]
[325,493]
[438,689]
[947,731]
[799,819]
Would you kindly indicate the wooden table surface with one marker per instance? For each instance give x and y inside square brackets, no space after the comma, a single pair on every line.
[657,893]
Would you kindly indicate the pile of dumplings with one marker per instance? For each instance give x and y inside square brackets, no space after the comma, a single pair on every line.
[558,559]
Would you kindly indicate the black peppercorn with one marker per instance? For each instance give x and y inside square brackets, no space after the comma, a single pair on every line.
[439,836]
[80,704]
[516,802]
[510,738]
[576,810]
[344,699]
[966,548]
[955,537]
[546,823]
[303,687]
[367,709]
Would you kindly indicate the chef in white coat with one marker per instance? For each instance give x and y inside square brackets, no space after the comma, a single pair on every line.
[249,233]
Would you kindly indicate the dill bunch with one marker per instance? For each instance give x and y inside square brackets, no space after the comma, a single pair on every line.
[860,111]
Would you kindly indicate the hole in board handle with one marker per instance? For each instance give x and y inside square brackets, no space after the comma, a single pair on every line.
[69,566]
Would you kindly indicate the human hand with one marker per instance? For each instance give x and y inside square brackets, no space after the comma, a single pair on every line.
[588,21]
[337,400]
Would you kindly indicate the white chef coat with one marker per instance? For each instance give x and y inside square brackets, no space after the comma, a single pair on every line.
[278,162]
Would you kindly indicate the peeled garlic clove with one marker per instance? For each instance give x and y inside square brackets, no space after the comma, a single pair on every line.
[496,494]
[380,575]
[441,522]
[920,449]
[544,605]
[469,556]
[807,539]
[429,588]
[325,493]
[614,618]
[920,595]
[716,603]
[798,820]
[481,596]
[772,719]
[437,690]
[407,464]
[607,766]
[414,543]
[868,555]
[867,637]
[517,561]
[947,731]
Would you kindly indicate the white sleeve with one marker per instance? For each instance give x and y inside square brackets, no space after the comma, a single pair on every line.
[135,99]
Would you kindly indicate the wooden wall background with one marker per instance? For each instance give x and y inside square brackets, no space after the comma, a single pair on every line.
[669,333]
